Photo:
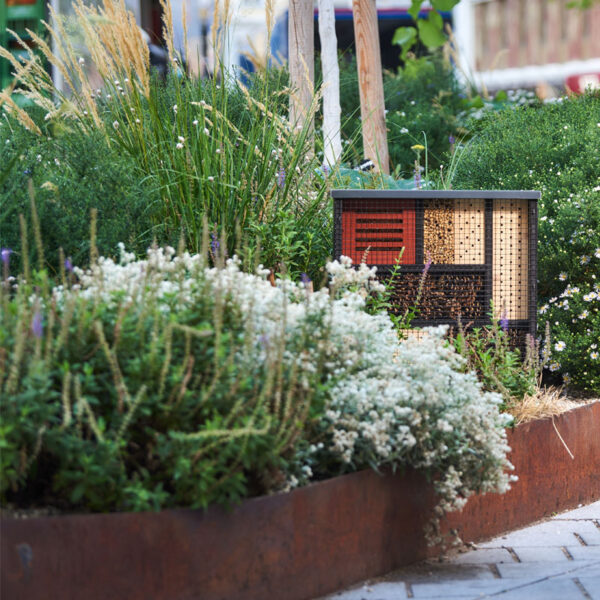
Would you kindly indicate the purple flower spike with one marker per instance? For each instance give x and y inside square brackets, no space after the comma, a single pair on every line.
[451,140]
[68,265]
[417,178]
[214,244]
[5,253]
[427,264]
[281,178]
[504,322]
[37,324]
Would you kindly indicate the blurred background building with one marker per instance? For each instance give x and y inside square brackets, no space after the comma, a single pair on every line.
[504,44]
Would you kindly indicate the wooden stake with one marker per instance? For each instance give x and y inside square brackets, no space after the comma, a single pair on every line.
[332,137]
[370,82]
[301,52]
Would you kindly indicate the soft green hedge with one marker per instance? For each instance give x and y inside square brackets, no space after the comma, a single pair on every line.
[70,172]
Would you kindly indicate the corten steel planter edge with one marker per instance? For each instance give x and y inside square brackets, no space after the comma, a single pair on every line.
[296,546]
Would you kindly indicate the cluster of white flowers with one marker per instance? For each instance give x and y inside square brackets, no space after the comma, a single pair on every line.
[409,403]
[389,402]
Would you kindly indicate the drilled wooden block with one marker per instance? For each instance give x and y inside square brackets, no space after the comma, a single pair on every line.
[510,263]
[469,232]
[438,231]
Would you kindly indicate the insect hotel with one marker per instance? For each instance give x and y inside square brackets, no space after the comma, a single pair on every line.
[481,246]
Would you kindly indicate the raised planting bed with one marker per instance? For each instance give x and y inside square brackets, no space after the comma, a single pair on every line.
[295,546]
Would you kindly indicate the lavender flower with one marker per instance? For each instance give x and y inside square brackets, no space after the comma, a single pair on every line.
[281,177]
[427,265]
[417,177]
[451,140]
[306,281]
[5,253]
[37,325]
[504,322]
[214,244]
[68,265]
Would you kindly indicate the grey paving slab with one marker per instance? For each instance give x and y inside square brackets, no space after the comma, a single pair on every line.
[592,569]
[591,511]
[565,589]
[528,554]
[536,571]
[459,589]
[484,556]
[377,591]
[550,533]
[591,585]
[584,552]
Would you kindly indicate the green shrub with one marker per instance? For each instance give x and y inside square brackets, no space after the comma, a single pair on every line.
[212,149]
[165,382]
[70,173]
[554,148]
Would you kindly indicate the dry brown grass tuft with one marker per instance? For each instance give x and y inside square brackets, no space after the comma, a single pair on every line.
[117,49]
[546,402]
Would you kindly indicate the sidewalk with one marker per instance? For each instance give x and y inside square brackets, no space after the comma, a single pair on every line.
[558,559]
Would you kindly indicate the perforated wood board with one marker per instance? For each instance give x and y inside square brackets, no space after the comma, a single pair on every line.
[511,264]
[469,232]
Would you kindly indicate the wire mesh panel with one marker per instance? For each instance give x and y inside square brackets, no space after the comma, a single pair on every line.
[476,248]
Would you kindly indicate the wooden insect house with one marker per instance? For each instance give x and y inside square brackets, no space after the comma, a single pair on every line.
[481,248]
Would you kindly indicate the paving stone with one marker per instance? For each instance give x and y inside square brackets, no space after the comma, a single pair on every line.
[536,571]
[483,556]
[591,511]
[458,589]
[549,589]
[540,554]
[591,586]
[550,533]
[584,552]
[376,591]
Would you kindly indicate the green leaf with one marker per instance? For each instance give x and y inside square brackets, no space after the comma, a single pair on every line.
[444,5]
[415,7]
[435,18]
[430,33]
[404,36]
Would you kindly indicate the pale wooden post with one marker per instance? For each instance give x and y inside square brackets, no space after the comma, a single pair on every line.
[332,137]
[301,53]
[370,82]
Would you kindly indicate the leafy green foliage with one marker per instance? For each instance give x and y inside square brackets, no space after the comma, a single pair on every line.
[423,102]
[224,152]
[430,29]
[553,148]
[498,366]
[71,173]
[111,402]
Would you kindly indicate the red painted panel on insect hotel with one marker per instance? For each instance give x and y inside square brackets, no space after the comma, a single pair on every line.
[383,227]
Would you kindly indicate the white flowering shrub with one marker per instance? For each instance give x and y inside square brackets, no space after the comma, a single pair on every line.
[167,382]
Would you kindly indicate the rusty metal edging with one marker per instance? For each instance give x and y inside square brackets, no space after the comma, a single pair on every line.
[292,546]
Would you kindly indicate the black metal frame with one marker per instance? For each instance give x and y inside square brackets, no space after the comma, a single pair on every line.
[528,325]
